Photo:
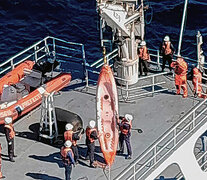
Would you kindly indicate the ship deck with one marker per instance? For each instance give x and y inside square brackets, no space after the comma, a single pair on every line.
[39,160]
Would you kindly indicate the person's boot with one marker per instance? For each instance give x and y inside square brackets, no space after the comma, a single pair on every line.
[1,176]
[87,158]
[128,157]
[92,165]
[11,159]
[119,152]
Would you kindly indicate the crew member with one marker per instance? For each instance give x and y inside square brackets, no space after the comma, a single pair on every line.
[125,128]
[73,137]
[144,58]
[197,80]
[167,50]
[68,158]
[91,136]
[181,68]
[10,134]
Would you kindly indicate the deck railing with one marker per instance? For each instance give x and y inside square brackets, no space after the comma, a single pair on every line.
[129,93]
[49,47]
[165,145]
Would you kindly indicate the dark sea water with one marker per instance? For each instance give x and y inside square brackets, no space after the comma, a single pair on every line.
[24,22]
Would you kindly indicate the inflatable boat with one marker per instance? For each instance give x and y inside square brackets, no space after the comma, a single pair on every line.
[21,90]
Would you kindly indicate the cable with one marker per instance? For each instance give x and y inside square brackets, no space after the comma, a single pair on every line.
[150,14]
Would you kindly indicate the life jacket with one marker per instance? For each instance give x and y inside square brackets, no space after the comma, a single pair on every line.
[125,131]
[68,135]
[197,79]
[143,53]
[11,132]
[64,151]
[167,49]
[88,133]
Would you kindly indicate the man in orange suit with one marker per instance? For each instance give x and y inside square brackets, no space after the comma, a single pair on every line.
[181,68]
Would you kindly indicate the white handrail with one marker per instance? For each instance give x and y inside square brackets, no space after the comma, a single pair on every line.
[101,59]
[41,48]
[153,148]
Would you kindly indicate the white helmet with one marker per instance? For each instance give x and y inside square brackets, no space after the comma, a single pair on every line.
[68,143]
[8,120]
[143,43]
[167,38]
[128,117]
[68,127]
[92,124]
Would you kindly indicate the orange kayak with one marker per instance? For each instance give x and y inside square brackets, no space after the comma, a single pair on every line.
[107,114]
[33,99]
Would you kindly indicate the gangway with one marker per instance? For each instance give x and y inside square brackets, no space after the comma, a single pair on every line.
[175,146]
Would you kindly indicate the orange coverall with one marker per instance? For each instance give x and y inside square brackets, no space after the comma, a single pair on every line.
[181,68]
[197,79]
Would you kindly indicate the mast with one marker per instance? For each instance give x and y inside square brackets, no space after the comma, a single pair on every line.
[182,26]
[142,20]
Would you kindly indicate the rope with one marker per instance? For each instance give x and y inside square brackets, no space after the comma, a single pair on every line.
[150,13]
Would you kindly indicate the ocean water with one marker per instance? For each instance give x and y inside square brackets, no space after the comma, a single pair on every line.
[24,22]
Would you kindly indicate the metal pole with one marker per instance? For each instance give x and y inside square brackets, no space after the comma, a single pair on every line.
[127,90]
[142,20]
[198,46]
[153,85]
[134,172]
[12,63]
[35,51]
[84,62]
[87,80]
[53,40]
[182,26]
[155,155]
[101,31]
[158,59]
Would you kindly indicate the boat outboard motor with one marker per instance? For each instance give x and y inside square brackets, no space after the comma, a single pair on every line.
[46,65]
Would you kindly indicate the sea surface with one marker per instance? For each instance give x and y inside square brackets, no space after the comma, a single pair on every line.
[24,22]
